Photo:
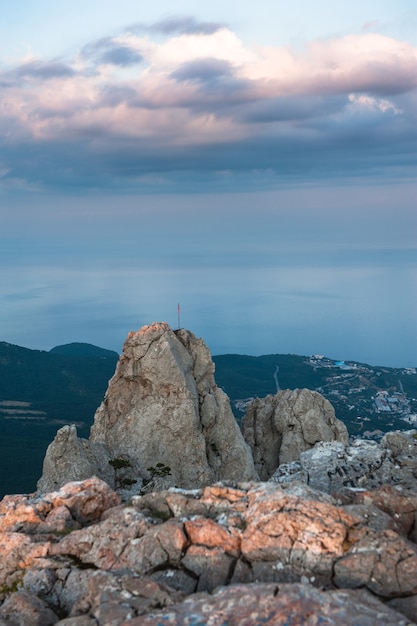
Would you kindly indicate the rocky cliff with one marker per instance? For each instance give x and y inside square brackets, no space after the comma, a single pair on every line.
[162,410]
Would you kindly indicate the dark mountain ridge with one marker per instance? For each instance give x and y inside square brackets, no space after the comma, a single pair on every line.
[84,349]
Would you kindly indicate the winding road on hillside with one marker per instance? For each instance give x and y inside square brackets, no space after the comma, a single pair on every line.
[276,378]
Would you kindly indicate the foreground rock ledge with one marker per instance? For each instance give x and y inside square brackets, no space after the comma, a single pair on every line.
[243,553]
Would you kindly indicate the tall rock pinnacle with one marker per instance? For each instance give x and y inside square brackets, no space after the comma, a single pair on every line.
[161,406]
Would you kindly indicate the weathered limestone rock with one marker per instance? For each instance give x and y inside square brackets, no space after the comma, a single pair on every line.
[74,504]
[403,444]
[169,557]
[333,466]
[113,598]
[380,561]
[399,505]
[403,447]
[275,605]
[162,406]
[18,551]
[25,609]
[406,606]
[279,428]
[70,458]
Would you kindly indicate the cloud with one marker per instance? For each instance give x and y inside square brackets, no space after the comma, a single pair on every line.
[292,108]
[185,25]
[35,70]
[370,63]
[178,25]
[114,95]
[44,70]
[108,50]
[121,55]
[215,83]
[372,104]
[201,105]
[203,70]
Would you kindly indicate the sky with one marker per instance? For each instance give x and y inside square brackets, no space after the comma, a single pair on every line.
[254,162]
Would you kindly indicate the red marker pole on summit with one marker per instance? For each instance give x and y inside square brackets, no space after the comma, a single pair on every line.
[179,314]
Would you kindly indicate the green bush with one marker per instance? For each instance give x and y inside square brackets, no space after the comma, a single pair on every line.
[119,463]
[160,470]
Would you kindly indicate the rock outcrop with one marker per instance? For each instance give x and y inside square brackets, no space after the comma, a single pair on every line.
[162,410]
[279,428]
[242,553]
[333,466]
[70,457]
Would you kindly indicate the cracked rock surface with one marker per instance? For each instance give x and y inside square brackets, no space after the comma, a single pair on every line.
[243,553]
[333,466]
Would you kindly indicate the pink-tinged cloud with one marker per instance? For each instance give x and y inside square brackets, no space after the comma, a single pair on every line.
[203,102]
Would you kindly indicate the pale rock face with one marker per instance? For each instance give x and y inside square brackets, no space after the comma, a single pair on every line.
[279,428]
[69,458]
[161,406]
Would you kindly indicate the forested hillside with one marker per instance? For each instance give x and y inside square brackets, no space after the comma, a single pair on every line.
[39,392]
